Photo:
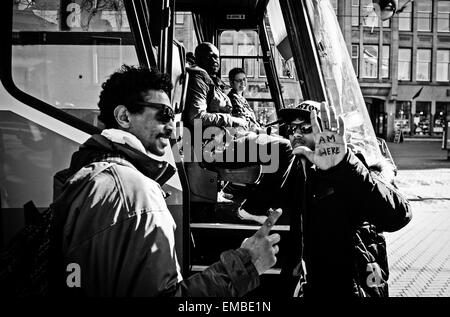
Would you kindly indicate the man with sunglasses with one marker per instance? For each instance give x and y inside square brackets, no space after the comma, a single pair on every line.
[111,219]
[330,191]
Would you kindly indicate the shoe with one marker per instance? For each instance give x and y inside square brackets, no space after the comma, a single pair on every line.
[242,214]
[222,198]
[227,195]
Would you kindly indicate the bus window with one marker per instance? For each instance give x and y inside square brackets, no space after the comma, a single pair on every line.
[282,54]
[64,50]
[242,49]
[184,31]
[30,155]
[239,49]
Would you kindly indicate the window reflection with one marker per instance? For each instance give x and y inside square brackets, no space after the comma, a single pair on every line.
[422,118]
[405,18]
[424,15]
[355,12]
[440,115]
[370,62]
[77,15]
[423,64]
[31,155]
[403,116]
[61,50]
[443,65]
[443,16]
[404,64]
[355,58]
[385,62]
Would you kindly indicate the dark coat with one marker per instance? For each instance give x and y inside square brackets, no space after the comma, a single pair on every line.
[116,226]
[242,109]
[201,100]
[332,204]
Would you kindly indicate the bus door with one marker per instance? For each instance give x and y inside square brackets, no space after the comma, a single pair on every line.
[250,43]
[291,51]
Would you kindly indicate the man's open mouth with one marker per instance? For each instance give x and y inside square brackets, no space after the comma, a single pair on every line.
[164,139]
[297,142]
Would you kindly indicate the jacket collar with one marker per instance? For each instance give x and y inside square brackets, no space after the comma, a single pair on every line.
[213,80]
[100,148]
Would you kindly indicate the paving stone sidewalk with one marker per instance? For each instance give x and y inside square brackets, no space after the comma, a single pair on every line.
[419,254]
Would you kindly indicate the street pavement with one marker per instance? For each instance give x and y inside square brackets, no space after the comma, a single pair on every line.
[419,254]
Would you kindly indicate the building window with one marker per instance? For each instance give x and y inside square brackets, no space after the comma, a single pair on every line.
[370,62]
[422,118]
[424,15]
[355,58]
[179,18]
[385,62]
[443,65]
[423,65]
[355,12]
[369,15]
[442,109]
[443,16]
[403,116]
[404,64]
[404,18]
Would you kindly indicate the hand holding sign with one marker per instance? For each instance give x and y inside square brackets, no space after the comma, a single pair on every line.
[330,144]
[262,246]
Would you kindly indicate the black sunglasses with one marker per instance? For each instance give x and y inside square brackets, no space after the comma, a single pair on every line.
[305,128]
[165,113]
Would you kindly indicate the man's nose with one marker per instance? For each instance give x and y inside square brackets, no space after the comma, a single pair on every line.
[170,126]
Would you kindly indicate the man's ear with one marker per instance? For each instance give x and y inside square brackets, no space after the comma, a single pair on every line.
[122,116]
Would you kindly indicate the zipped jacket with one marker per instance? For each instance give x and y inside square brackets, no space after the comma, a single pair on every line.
[330,206]
[118,230]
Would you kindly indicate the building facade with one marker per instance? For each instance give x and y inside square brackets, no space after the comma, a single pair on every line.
[403,64]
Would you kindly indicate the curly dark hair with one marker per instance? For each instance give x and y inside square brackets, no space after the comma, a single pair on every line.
[125,86]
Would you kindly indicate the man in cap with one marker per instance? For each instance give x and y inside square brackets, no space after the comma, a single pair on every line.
[335,192]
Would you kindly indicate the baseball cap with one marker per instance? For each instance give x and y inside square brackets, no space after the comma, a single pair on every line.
[302,110]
